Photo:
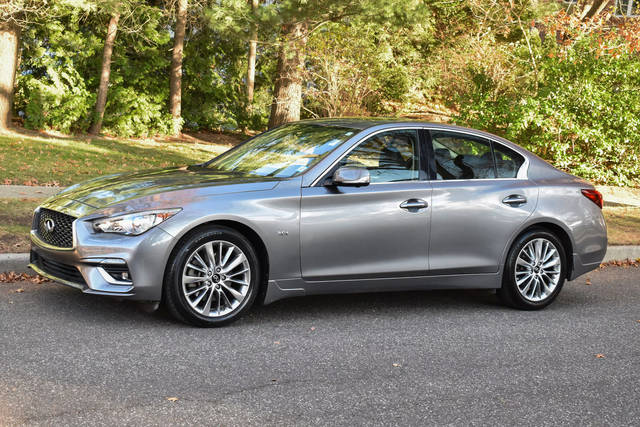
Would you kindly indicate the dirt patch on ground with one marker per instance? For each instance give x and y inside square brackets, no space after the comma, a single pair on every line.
[623,225]
[226,139]
[14,243]
[15,223]
[15,218]
[229,139]
[17,211]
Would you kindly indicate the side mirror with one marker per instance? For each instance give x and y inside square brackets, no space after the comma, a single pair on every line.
[351,176]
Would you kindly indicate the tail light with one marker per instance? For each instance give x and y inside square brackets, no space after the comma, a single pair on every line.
[594,196]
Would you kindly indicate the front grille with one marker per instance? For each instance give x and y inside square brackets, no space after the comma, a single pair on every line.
[61,235]
[57,269]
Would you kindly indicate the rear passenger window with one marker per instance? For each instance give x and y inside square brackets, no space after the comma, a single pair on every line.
[508,162]
[459,156]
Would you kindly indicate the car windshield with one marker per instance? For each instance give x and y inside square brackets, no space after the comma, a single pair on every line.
[282,152]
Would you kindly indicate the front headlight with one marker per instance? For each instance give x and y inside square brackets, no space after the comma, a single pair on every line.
[134,223]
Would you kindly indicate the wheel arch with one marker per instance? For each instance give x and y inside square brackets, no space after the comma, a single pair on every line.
[554,228]
[254,238]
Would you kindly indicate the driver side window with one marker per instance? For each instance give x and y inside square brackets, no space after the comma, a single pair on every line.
[388,156]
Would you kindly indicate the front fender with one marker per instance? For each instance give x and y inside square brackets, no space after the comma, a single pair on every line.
[273,215]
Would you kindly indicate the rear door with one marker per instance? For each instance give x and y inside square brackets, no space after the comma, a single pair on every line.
[478,202]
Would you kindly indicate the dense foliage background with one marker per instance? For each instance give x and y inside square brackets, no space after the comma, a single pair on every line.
[560,81]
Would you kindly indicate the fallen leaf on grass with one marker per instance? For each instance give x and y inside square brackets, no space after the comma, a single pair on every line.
[599,356]
[172,399]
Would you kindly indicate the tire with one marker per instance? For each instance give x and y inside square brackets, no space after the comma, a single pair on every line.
[203,293]
[529,281]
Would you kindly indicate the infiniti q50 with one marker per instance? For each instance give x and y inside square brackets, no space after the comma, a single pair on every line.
[326,206]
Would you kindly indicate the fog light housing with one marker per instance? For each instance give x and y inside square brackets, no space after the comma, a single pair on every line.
[116,274]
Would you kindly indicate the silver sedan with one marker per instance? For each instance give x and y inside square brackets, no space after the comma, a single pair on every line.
[326,206]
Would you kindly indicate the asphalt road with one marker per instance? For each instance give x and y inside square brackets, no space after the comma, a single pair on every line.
[454,357]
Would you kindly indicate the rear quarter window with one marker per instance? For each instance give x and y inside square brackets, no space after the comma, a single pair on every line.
[508,162]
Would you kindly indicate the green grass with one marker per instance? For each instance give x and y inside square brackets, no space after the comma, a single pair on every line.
[35,160]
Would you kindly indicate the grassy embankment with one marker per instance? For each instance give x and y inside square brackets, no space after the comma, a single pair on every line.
[40,159]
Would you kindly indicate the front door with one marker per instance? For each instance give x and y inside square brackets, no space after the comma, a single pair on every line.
[376,231]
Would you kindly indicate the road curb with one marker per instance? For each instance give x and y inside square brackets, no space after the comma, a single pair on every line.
[18,262]
[14,262]
[621,253]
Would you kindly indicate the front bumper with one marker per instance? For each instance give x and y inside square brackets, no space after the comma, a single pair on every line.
[95,262]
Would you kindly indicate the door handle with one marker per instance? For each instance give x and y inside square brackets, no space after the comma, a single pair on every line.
[414,204]
[514,200]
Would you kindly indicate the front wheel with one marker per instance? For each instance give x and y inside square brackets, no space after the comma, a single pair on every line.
[534,272]
[213,277]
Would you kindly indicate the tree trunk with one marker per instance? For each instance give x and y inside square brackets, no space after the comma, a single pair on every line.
[253,43]
[112,29]
[592,8]
[287,93]
[175,84]
[9,50]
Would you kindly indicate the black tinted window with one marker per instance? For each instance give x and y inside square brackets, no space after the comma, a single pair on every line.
[458,156]
[508,162]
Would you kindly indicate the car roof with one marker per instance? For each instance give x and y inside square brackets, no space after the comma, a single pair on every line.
[366,123]
[355,123]
[369,122]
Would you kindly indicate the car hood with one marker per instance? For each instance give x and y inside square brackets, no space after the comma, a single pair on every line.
[115,189]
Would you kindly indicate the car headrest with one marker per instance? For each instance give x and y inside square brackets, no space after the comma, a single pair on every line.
[443,153]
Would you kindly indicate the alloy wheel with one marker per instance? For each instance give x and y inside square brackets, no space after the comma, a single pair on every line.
[537,270]
[216,278]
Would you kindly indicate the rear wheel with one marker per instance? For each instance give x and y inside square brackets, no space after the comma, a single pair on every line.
[213,277]
[535,271]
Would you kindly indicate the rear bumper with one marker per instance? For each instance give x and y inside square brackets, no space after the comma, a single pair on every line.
[580,267]
[591,244]
[96,262]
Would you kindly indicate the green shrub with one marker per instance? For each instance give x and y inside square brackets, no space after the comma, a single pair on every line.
[53,91]
[60,102]
[135,113]
[581,112]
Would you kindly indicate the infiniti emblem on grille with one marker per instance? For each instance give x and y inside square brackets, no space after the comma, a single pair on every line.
[49,225]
